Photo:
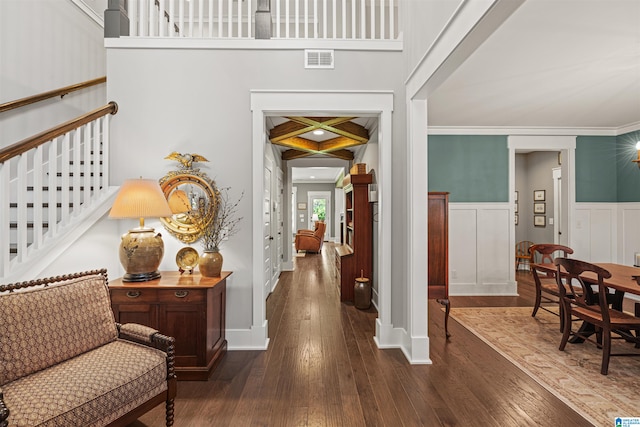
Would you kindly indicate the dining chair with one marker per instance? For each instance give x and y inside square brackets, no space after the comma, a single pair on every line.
[597,312]
[522,253]
[546,287]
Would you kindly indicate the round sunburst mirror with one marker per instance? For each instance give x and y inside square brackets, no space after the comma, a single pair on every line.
[192,196]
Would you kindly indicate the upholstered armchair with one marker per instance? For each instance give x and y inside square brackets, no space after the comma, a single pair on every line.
[311,240]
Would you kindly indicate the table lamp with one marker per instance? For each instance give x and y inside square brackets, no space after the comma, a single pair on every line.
[141,249]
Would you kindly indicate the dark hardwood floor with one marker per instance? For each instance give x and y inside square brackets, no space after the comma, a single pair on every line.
[322,368]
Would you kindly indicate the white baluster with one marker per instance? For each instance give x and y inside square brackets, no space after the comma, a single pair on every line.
[363,21]
[143,19]
[220,18]
[76,168]
[297,19]
[229,18]
[171,25]
[324,19]
[306,19]
[37,197]
[89,150]
[191,19]
[162,28]
[315,19]
[372,34]
[383,26]
[353,19]
[106,145]
[278,18]
[239,19]
[181,18]
[210,2]
[5,230]
[52,162]
[21,210]
[64,179]
[249,15]
[287,20]
[392,17]
[200,18]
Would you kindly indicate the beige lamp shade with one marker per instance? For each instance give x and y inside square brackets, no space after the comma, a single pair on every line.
[140,198]
[179,202]
[141,249]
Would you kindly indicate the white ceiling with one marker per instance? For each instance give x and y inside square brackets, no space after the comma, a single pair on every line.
[554,63]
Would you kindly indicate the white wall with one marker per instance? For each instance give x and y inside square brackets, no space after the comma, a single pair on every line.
[45,45]
[199,101]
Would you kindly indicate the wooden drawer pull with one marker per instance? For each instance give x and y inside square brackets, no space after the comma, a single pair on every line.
[181,294]
[134,294]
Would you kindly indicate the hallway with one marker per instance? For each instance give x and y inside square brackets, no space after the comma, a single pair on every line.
[323,368]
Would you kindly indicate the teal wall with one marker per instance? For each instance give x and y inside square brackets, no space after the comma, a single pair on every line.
[628,172]
[596,172]
[471,168]
[475,168]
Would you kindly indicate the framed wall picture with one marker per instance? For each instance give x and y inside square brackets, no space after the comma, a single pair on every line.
[540,220]
[516,208]
[302,206]
[516,196]
[516,219]
[538,195]
[539,208]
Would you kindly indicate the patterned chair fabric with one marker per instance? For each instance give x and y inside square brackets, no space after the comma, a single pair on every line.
[64,361]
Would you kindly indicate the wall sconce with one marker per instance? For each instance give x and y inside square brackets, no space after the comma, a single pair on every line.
[637,161]
[141,249]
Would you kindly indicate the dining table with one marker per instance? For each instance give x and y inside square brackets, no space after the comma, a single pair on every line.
[624,280]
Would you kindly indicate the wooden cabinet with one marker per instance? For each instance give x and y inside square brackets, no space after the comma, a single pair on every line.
[355,256]
[438,250]
[190,308]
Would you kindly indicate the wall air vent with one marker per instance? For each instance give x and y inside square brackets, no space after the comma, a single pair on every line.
[318,59]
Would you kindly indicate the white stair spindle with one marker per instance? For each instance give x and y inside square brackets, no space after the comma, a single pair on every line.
[5,200]
[101,166]
[210,2]
[297,18]
[90,136]
[64,179]
[76,180]
[239,19]
[21,210]
[278,18]
[306,19]
[220,17]
[372,24]
[171,25]
[37,198]
[249,15]
[191,19]
[181,18]
[353,19]
[51,183]
[161,27]
[363,21]
[392,17]
[200,18]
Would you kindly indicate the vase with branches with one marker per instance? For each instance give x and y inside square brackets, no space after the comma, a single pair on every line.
[218,225]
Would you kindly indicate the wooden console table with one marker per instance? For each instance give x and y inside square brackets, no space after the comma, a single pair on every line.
[189,307]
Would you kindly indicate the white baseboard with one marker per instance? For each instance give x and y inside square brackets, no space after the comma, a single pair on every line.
[255,338]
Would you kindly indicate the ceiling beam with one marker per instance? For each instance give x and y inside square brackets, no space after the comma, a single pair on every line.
[337,143]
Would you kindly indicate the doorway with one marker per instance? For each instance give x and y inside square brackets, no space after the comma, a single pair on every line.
[343,103]
[319,203]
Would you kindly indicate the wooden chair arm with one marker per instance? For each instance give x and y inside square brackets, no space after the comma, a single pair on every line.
[4,412]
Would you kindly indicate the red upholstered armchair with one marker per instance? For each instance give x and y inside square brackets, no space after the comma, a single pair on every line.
[311,240]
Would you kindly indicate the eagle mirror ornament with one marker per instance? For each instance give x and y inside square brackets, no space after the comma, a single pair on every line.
[192,196]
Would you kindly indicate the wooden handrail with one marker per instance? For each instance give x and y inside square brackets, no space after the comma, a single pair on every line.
[36,140]
[46,95]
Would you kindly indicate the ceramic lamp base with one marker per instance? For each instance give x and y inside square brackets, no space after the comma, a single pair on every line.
[141,251]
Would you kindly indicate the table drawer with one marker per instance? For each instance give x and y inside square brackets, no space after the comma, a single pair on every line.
[182,295]
[120,296]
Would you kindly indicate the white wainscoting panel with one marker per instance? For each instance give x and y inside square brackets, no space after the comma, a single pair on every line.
[594,236]
[629,234]
[479,257]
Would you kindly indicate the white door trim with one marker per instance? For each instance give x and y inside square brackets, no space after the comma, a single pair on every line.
[379,103]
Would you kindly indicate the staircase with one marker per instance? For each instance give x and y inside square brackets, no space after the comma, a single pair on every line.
[54,186]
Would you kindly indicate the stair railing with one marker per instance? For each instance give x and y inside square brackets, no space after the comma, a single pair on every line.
[48,179]
[61,92]
[289,19]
